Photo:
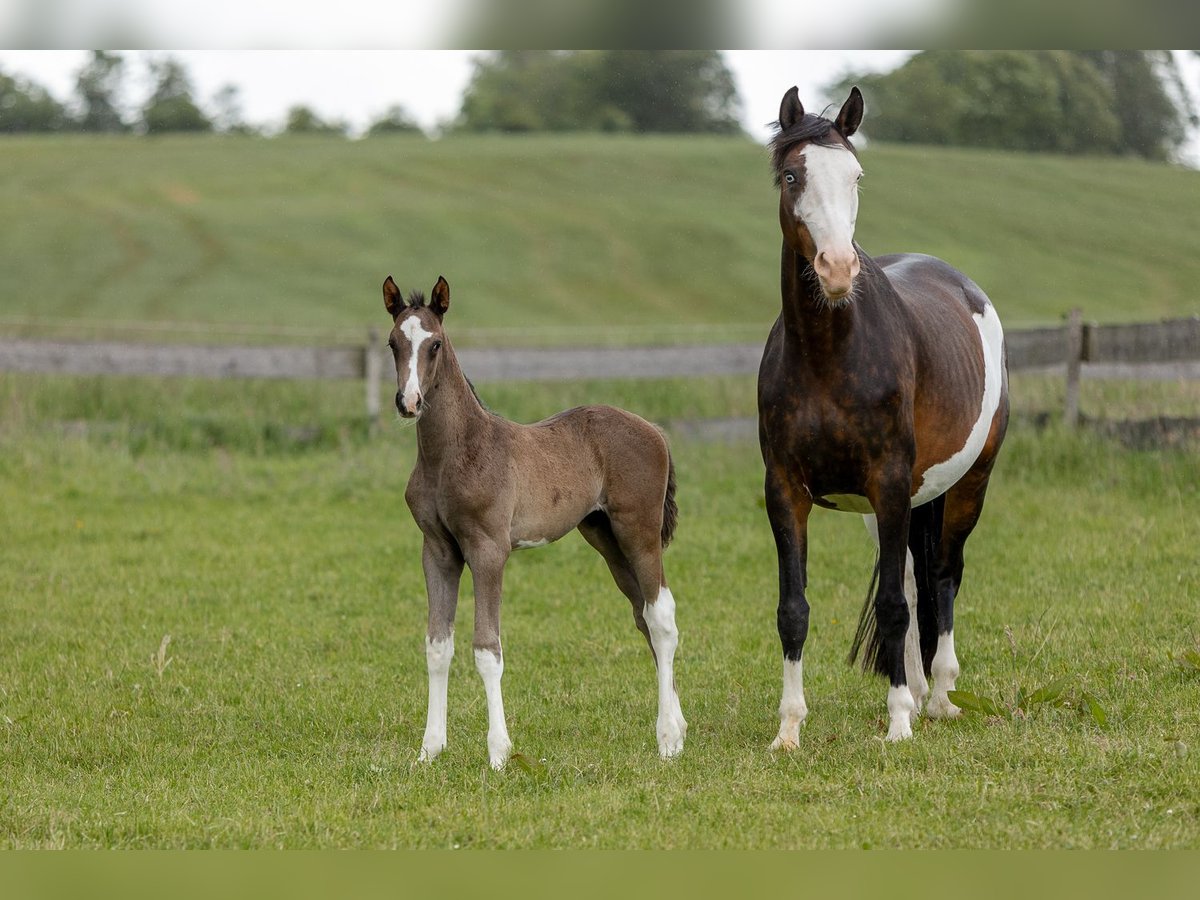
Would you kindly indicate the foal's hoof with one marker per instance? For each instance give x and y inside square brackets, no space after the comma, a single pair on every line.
[786,744]
[670,739]
[899,731]
[429,752]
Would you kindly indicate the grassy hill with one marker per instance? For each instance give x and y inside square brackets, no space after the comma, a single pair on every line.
[560,237]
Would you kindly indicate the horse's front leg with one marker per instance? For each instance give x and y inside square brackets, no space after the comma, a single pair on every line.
[788,511]
[487,559]
[891,501]
[443,564]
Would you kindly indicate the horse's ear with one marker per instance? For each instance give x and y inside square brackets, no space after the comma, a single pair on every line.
[851,114]
[392,298]
[440,301]
[791,110]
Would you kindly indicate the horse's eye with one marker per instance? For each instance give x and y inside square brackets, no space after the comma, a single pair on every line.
[789,177]
[435,347]
[392,344]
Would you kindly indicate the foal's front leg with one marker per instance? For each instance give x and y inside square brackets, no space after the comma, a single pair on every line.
[443,566]
[487,568]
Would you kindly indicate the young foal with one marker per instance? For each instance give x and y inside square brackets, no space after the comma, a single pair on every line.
[882,390]
[483,487]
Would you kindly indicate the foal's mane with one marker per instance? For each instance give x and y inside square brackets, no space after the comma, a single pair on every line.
[416,299]
[815,129]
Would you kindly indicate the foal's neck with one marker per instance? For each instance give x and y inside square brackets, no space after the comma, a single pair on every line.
[453,412]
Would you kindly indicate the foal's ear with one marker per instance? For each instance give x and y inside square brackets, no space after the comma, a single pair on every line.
[850,117]
[392,298]
[440,301]
[791,110]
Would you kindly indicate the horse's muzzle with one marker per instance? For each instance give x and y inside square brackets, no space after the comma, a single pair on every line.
[402,408]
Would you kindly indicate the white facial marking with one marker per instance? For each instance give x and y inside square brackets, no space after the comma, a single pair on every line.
[792,708]
[491,667]
[416,334]
[901,710]
[664,637]
[829,204]
[939,478]
[945,672]
[437,657]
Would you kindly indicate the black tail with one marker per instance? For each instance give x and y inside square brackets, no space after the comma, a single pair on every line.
[924,541]
[670,510]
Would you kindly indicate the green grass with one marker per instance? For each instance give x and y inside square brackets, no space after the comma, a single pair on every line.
[290,712]
[652,238]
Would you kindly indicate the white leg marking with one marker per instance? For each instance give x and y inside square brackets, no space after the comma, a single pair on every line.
[792,708]
[901,710]
[491,668]
[914,669]
[437,658]
[660,620]
[945,671]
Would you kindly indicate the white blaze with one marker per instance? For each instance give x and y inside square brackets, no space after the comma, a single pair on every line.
[829,204]
[416,334]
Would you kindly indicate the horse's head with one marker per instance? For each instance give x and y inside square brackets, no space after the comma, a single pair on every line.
[817,172]
[416,341]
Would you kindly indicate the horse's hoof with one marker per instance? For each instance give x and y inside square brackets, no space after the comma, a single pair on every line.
[940,707]
[786,743]
[900,731]
[429,752]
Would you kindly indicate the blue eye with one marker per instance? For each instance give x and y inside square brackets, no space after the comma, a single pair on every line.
[789,177]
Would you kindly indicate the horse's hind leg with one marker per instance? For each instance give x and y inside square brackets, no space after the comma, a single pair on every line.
[639,540]
[597,531]
[964,503]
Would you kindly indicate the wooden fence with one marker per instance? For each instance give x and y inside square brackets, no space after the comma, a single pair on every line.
[1169,349]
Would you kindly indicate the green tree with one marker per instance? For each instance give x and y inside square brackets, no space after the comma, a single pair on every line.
[227,112]
[608,90]
[171,107]
[395,120]
[1060,101]
[302,119]
[26,106]
[98,89]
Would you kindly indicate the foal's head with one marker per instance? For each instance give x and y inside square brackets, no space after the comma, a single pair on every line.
[416,341]
[817,172]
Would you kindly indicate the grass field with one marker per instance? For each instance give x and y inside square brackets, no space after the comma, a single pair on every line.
[654,238]
[262,528]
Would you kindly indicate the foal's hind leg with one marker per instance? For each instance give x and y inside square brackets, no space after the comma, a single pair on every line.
[639,541]
[597,531]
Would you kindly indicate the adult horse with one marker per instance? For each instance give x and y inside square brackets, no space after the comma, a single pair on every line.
[883,390]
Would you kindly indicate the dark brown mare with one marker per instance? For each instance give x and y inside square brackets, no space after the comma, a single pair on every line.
[484,486]
[883,390]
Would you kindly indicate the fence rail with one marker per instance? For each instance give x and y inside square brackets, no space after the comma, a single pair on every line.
[1168,349]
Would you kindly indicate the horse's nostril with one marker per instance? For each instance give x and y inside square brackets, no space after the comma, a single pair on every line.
[399,402]
[417,404]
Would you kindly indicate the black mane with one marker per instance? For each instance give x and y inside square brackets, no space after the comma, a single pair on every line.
[416,299]
[816,129]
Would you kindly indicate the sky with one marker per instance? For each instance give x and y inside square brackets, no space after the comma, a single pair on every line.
[359,85]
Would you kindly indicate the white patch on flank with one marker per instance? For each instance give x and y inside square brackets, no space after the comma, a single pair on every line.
[792,708]
[664,637]
[901,710]
[491,667]
[829,204]
[528,545]
[945,672]
[437,657]
[941,477]
[416,334]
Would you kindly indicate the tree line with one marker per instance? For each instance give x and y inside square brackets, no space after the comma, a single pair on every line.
[96,105]
[1119,102]
[1124,102]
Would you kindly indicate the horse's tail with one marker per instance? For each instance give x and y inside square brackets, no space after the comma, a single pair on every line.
[670,510]
[924,542]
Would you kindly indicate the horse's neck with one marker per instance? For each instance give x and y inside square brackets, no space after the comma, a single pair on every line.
[453,412]
[808,320]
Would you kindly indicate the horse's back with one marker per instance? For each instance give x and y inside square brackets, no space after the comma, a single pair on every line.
[922,279]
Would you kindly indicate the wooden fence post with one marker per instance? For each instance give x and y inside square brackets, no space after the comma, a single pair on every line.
[372,373]
[1074,366]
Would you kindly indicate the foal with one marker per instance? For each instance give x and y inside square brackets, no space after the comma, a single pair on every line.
[483,487]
